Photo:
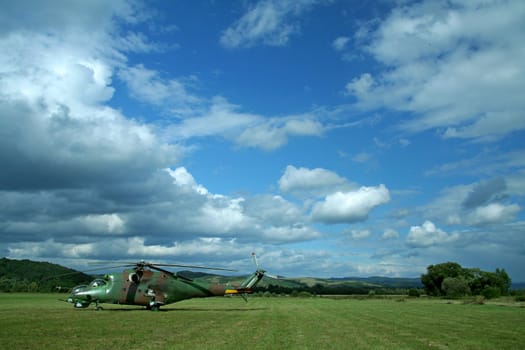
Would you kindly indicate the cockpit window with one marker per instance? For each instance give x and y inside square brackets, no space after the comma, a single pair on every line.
[97,283]
[78,288]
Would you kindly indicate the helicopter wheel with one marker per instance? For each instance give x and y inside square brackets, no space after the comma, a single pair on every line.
[98,307]
[153,306]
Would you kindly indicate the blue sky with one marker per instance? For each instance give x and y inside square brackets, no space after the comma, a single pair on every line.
[332,138]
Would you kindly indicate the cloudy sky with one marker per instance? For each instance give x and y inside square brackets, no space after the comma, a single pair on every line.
[332,138]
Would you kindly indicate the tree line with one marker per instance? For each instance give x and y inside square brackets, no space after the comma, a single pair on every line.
[452,280]
[447,279]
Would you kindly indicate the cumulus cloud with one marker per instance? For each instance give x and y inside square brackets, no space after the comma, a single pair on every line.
[274,209]
[348,207]
[458,67]
[428,235]
[268,22]
[81,179]
[53,106]
[481,203]
[309,180]
[133,247]
[492,213]
[182,178]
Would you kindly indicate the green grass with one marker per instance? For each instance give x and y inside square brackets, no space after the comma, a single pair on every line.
[39,321]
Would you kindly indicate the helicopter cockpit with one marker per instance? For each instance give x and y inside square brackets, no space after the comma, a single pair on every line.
[97,283]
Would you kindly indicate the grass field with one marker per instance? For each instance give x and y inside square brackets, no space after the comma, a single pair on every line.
[39,321]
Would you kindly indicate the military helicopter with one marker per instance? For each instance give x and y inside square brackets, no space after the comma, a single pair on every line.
[152,286]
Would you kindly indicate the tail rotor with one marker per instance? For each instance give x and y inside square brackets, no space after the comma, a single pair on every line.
[256,263]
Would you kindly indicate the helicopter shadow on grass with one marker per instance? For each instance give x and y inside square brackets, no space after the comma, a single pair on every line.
[188,309]
[217,309]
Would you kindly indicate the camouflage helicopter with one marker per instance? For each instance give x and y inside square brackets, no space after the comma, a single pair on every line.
[152,286]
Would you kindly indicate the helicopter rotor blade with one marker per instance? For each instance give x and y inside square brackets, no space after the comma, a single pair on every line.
[194,267]
[255,262]
[84,271]
[143,263]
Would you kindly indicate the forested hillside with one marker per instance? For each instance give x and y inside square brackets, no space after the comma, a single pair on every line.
[33,276]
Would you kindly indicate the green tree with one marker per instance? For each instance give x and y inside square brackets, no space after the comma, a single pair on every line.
[455,287]
[436,274]
[478,282]
[503,281]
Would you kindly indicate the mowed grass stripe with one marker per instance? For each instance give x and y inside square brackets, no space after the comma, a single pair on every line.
[42,322]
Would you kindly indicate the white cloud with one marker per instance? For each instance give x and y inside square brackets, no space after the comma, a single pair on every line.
[361,87]
[181,177]
[390,234]
[96,16]
[268,22]
[221,118]
[492,213]
[110,223]
[351,206]
[290,234]
[339,44]
[55,81]
[360,234]
[362,157]
[222,216]
[404,142]
[481,203]
[147,85]
[428,235]
[458,67]
[273,209]
[203,248]
[309,180]
[274,133]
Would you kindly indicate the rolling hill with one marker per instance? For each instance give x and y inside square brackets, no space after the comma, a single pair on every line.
[34,276]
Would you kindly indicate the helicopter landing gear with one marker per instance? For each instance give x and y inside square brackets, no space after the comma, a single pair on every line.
[153,305]
[98,307]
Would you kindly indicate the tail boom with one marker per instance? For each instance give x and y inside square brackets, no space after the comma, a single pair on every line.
[247,285]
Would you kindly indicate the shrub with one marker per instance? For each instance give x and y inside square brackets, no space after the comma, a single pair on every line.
[413,292]
[480,300]
[491,292]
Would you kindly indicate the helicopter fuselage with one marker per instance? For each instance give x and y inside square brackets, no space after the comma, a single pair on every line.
[151,289]
[147,288]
